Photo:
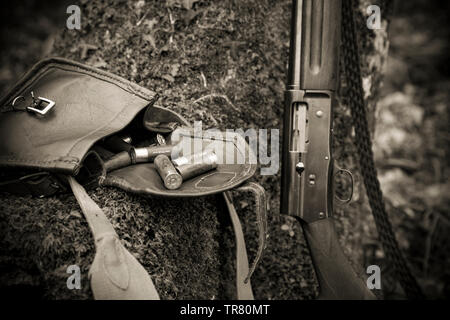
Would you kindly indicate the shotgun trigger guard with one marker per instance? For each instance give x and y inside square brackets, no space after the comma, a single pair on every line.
[350,175]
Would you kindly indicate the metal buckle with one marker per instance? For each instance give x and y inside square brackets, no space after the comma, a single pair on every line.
[40,105]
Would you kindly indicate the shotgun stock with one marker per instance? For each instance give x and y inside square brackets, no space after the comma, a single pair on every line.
[308,168]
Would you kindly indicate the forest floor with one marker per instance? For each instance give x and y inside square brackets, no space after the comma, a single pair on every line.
[411,142]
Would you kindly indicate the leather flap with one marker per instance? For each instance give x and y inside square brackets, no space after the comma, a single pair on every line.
[89,105]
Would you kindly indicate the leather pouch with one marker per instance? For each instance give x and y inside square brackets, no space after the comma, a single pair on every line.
[89,106]
[54,127]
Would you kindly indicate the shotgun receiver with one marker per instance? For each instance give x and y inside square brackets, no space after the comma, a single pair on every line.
[308,169]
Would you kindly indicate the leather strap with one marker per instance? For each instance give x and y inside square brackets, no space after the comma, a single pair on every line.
[115,274]
[261,214]
[243,287]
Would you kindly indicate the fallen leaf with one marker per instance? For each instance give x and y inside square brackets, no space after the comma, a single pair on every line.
[100,63]
[168,77]
[172,3]
[243,204]
[190,15]
[139,4]
[174,69]
[150,23]
[165,48]
[75,213]
[187,4]
[150,39]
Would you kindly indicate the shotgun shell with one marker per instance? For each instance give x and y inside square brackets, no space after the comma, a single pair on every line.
[205,157]
[172,179]
[188,168]
[127,139]
[118,143]
[148,154]
[120,160]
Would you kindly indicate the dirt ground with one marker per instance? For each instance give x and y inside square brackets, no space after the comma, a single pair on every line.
[195,53]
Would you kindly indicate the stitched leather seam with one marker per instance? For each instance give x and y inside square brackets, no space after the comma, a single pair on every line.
[75,160]
[129,86]
[56,62]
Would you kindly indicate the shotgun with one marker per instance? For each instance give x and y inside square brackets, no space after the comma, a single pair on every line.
[308,168]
